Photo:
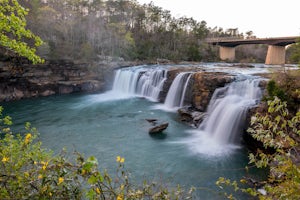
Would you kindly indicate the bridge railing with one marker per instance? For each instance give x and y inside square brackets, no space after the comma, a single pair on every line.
[223,39]
[235,39]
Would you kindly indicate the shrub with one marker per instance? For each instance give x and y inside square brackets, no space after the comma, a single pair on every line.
[275,91]
[286,86]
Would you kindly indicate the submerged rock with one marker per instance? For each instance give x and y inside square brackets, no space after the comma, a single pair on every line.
[152,121]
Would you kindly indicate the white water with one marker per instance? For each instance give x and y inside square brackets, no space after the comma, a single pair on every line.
[221,130]
[184,90]
[135,81]
[176,93]
[150,83]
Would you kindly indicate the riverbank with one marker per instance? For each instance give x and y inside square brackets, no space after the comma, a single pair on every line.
[20,79]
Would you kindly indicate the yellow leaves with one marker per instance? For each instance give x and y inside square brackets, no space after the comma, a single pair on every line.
[5,159]
[45,164]
[27,138]
[60,180]
[120,197]
[120,159]
[98,190]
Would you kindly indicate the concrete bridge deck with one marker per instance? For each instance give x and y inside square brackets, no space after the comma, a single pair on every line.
[233,42]
[276,49]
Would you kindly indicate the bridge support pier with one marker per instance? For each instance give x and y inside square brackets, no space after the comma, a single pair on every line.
[275,55]
[227,53]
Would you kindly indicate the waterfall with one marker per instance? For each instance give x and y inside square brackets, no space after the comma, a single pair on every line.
[125,82]
[140,82]
[176,93]
[227,112]
[151,83]
[184,90]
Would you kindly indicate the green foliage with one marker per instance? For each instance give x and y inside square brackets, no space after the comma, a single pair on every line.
[13,33]
[27,171]
[275,91]
[295,52]
[278,130]
[286,86]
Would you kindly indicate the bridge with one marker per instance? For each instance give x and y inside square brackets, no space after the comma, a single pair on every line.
[276,49]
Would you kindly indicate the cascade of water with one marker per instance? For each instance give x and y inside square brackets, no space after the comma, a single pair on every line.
[143,82]
[227,110]
[184,90]
[218,134]
[125,82]
[176,93]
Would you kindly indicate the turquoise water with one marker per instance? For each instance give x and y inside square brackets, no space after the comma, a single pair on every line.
[111,128]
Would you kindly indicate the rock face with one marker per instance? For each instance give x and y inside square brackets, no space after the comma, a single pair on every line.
[203,86]
[23,80]
[200,88]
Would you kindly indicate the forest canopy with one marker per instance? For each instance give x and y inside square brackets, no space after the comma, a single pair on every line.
[89,30]
[123,29]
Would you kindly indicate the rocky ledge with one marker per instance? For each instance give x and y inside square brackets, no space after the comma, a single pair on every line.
[23,80]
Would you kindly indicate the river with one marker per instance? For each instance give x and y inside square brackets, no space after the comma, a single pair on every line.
[117,126]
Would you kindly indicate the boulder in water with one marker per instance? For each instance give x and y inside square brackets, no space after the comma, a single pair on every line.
[157,127]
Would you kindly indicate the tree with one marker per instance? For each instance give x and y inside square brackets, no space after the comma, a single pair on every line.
[14,36]
[295,52]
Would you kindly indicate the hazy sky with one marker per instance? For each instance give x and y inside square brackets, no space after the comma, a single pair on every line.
[266,18]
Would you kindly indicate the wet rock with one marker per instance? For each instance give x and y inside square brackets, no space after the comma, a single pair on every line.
[158,128]
[204,85]
[152,121]
[18,94]
[191,116]
[243,65]
[47,93]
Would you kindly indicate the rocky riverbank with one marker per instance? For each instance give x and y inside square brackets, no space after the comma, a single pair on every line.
[20,80]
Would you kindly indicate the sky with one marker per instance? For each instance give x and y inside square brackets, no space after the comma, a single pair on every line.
[266,18]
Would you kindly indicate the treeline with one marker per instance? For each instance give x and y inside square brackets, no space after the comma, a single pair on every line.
[123,29]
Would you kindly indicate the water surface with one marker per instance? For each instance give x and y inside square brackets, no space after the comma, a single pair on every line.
[111,128]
